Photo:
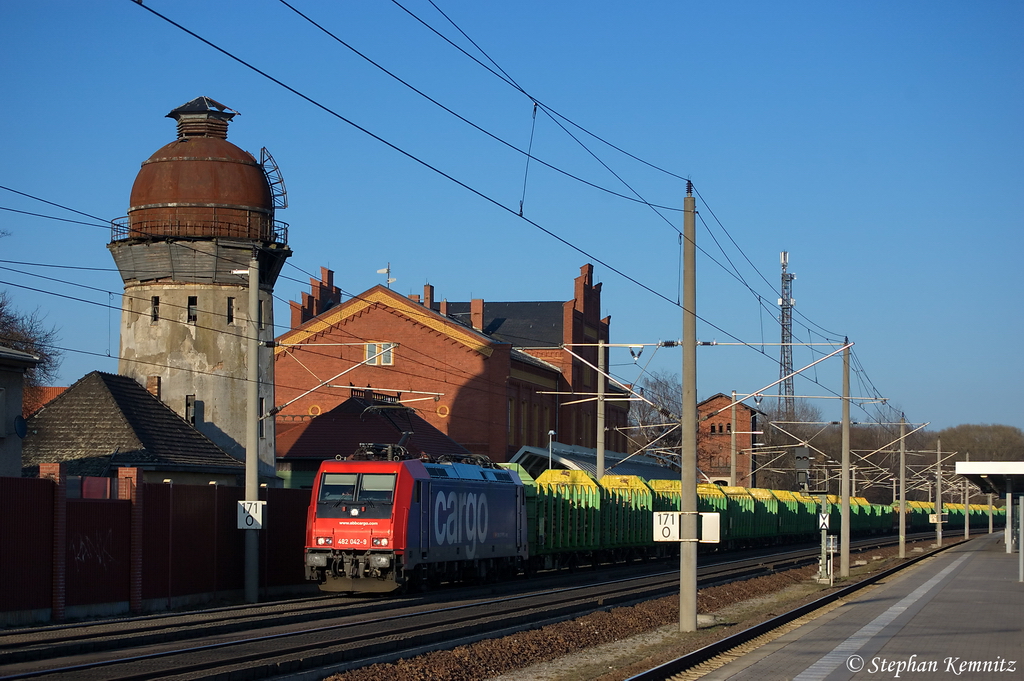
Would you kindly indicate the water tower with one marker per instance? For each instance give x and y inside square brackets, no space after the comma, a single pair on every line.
[199,210]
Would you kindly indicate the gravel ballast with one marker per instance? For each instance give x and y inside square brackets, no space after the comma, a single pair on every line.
[618,643]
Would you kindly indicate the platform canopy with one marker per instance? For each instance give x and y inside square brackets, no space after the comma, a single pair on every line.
[998,477]
[573,457]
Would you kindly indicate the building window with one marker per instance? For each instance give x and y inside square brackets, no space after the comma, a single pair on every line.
[260,420]
[190,409]
[193,312]
[231,310]
[728,427]
[154,310]
[380,354]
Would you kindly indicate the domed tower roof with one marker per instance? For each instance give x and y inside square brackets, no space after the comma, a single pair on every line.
[202,186]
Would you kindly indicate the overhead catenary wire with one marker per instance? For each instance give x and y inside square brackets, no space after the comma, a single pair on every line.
[405,153]
[465,120]
[603,264]
[529,155]
[503,75]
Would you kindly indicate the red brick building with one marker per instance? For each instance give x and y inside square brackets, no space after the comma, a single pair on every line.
[714,451]
[487,374]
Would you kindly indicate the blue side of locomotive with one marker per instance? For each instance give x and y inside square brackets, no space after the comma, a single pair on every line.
[470,520]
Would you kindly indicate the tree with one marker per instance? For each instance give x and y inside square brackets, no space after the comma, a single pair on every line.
[28,333]
[655,420]
[776,459]
[984,442]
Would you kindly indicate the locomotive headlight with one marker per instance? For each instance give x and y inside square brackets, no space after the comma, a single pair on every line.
[324,541]
[354,512]
[380,541]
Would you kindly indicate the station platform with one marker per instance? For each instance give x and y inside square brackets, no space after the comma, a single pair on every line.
[956,615]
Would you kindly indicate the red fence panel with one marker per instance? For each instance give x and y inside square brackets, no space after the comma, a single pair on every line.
[230,567]
[98,551]
[194,542]
[283,537]
[26,543]
[156,536]
[190,543]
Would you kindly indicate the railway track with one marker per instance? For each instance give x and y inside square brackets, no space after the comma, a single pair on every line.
[329,632]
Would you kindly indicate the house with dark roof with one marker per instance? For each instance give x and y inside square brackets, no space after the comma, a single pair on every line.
[493,376]
[105,422]
[365,418]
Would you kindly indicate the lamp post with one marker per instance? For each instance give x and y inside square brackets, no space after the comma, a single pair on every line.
[551,439]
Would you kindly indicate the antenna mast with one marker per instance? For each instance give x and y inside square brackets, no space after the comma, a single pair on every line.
[786,303]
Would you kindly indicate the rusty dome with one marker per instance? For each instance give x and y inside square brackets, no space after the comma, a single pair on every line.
[201,185]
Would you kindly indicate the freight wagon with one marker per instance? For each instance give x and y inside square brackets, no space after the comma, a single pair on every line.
[378,523]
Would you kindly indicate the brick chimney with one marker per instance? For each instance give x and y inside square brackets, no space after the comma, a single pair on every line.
[153,386]
[476,313]
[428,296]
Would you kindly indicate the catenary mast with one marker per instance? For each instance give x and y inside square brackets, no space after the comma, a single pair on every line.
[786,303]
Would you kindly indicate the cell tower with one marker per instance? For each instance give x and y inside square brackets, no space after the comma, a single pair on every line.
[786,303]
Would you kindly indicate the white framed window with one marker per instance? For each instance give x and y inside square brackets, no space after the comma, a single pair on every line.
[380,354]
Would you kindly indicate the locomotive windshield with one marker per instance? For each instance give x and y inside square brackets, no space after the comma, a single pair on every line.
[365,490]
[377,487]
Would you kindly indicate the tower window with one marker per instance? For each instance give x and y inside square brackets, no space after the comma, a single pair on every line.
[231,310]
[193,305]
[154,310]
[380,354]
[190,409]
[262,407]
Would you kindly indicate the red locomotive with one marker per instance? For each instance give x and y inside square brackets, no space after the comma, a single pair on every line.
[379,521]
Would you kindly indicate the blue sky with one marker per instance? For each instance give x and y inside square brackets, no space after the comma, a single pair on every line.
[879,143]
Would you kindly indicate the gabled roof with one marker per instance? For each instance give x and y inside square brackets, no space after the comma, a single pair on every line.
[17,359]
[728,401]
[379,295]
[356,421]
[523,324]
[106,421]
